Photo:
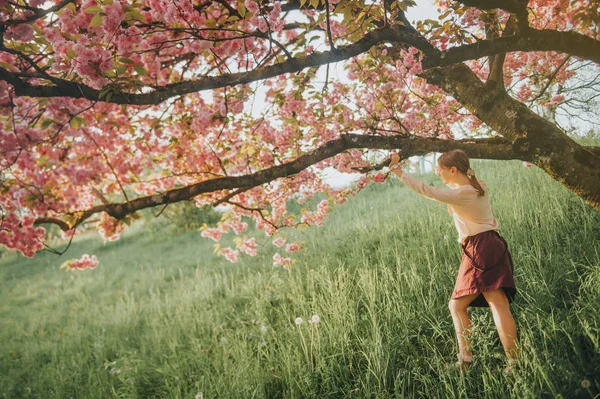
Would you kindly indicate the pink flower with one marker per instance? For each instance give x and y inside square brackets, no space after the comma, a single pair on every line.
[85,262]
[362,182]
[230,254]
[19,32]
[238,227]
[293,247]
[249,247]
[110,228]
[279,241]
[379,177]
[527,164]
[215,234]
[323,208]
[279,261]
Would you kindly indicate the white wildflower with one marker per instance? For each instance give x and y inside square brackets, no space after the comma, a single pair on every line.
[585,384]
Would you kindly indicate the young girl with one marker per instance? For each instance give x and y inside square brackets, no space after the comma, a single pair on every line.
[485,275]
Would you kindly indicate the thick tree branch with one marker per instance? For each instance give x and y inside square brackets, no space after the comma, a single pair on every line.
[593,149]
[535,40]
[537,139]
[492,148]
[496,62]
[572,43]
[65,88]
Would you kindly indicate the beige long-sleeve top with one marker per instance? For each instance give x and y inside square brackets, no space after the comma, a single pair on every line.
[472,214]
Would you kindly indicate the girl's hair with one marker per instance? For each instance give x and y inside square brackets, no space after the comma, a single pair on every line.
[460,159]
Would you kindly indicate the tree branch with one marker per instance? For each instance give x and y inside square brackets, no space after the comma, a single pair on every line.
[65,88]
[572,43]
[38,14]
[491,148]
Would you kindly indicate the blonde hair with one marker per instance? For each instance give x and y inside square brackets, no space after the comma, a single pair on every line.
[460,160]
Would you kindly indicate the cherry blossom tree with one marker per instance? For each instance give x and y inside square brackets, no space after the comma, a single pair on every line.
[109,107]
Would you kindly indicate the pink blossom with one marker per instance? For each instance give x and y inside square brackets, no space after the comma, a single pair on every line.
[323,207]
[238,227]
[19,32]
[293,247]
[280,261]
[230,254]
[110,228]
[249,246]
[527,164]
[362,182]
[279,241]
[85,262]
[379,177]
[215,234]
[252,6]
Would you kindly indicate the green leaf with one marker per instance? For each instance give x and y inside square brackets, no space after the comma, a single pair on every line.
[46,123]
[140,70]
[103,93]
[137,15]
[96,21]
[71,6]
[92,9]
[338,8]
[124,60]
[30,198]
[241,9]
[314,3]
[76,122]
[43,160]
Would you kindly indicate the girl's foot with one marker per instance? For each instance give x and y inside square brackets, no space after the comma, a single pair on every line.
[510,369]
[464,362]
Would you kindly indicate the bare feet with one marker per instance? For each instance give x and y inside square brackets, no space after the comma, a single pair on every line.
[464,362]
[510,369]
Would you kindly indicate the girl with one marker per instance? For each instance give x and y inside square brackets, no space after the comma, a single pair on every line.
[485,275]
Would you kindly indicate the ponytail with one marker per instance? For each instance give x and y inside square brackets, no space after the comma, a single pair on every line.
[474,182]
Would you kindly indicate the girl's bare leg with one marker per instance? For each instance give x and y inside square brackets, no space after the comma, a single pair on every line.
[507,328]
[462,323]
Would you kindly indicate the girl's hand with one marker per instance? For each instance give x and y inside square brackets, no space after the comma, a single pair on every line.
[394,159]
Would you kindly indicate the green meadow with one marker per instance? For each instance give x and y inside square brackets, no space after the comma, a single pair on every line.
[163,317]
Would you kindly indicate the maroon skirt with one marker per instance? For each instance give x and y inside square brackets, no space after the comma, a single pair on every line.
[486,265]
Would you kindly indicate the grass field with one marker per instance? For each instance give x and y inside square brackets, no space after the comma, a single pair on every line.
[162,317]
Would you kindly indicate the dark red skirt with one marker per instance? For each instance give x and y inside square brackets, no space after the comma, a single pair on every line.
[486,265]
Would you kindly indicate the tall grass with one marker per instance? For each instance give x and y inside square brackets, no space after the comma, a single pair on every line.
[162,317]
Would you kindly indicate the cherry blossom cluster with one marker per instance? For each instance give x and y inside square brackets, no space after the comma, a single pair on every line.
[85,262]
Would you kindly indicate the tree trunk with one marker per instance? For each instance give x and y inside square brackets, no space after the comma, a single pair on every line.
[536,139]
